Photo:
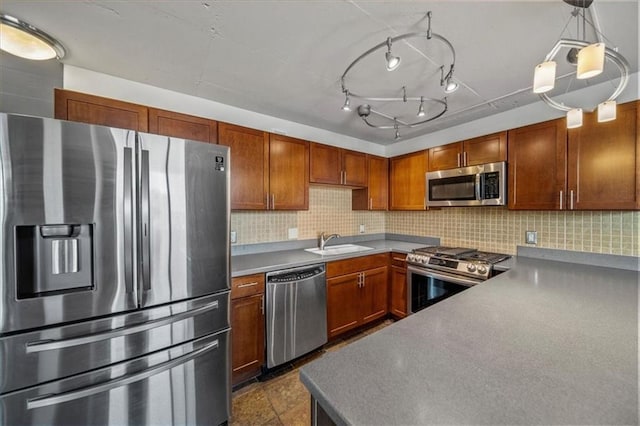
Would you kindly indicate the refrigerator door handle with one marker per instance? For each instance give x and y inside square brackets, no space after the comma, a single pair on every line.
[128,219]
[48,345]
[144,220]
[47,400]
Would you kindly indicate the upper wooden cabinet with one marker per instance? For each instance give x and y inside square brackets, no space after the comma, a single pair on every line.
[537,166]
[75,106]
[337,166]
[375,195]
[288,173]
[184,126]
[593,167]
[604,162]
[481,150]
[249,150]
[407,181]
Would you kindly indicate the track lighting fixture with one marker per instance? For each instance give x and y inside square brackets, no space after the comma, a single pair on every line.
[404,118]
[589,59]
[347,102]
[393,62]
[26,41]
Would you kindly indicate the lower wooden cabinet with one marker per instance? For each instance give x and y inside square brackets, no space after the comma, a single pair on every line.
[398,285]
[357,292]
[247,327]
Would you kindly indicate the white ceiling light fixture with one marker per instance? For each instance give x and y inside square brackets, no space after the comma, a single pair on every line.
[425,113]
[590,59]
[26,41]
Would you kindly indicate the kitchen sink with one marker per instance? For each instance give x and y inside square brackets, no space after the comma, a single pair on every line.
[338,249]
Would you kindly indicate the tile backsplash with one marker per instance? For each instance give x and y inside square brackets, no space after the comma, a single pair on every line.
[487,228]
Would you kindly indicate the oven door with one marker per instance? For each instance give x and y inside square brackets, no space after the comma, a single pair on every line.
[426,287]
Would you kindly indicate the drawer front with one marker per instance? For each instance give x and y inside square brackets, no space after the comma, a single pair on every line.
[247,285]
[398,259]
[356,264]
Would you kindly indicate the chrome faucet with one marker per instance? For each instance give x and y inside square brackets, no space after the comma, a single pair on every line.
[323,241]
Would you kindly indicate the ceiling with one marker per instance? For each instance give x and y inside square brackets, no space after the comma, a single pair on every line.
[285,58]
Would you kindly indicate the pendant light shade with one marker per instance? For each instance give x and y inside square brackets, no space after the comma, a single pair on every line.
[544,77]
[590,61]
[574,118]
[606,111]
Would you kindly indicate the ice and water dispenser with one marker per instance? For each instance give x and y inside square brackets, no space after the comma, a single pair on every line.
[53,259]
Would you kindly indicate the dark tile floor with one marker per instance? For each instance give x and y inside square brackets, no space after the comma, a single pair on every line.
[278,397]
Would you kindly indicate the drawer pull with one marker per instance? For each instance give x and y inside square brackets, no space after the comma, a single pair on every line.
[399,259]
[248,284]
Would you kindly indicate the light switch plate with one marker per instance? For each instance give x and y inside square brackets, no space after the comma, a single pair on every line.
[531,237]
[234,237]
[293,233]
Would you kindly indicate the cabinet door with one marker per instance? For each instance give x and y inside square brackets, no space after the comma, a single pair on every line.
[537,166]
[288,173]
[249,153]
[445,157]
[407,181]
[354,166]
[485,149]
[375,195]
[75,106]
[325,164]
[374,291]
[603,161]
[184,126]
[343,303]
[398,292]
[247,333]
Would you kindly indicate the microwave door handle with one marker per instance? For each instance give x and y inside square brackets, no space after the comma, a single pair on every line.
[479,187]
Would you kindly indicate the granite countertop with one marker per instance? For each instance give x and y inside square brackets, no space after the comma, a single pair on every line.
[543,343]
[272,261]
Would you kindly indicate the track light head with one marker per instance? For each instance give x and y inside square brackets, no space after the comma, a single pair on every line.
[451,86]
[393,62]
[421,112]
[347,102]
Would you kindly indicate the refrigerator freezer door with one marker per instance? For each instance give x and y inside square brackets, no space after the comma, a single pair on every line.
[186,384]
[184,219]
[65,206]
[54,353]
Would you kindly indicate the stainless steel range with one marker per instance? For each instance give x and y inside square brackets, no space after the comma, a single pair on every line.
[435,273]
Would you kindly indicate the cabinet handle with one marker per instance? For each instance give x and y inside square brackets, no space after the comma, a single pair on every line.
[424,203]
[364,282]
[370,203]
[248,284]
[273,201]
[464,159]
[571,200]
[458,160]
[399,259]
[267,195]
[561,199]
[262,305]
[345,177]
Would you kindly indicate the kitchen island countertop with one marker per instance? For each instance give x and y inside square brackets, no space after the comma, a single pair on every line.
[543,343]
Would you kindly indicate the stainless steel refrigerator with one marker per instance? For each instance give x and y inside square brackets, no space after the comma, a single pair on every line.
[114,285]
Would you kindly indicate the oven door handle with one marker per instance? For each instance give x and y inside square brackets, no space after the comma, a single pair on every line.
[455,279]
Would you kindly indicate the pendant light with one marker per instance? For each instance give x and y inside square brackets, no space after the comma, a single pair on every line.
[544,77]
[590,61]
[574,118]
[606,111]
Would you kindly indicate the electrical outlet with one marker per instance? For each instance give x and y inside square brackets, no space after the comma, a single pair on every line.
[293,233]
[234,237]
[531,237]
[362,228]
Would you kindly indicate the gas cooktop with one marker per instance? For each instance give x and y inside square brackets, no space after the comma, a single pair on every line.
[459,260]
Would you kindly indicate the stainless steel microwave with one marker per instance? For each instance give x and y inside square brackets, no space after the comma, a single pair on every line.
[482,185]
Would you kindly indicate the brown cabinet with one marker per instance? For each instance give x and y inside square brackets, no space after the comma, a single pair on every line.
[537,166]
[247,327]
[603,162]
[249,149]
[75,106]
[183,126]
[484,149]
[398,285]
[356,292]
[593,167]
[407,181]
[375,195]
[268,172]
[336,166]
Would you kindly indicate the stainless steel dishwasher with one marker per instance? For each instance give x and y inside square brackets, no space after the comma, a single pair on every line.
[296,313]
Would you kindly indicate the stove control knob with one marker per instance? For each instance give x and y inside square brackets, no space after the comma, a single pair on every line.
[482,269]
[471,267]
[424,260]
[411,257]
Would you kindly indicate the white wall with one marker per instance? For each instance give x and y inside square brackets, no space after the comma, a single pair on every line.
[87,81]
